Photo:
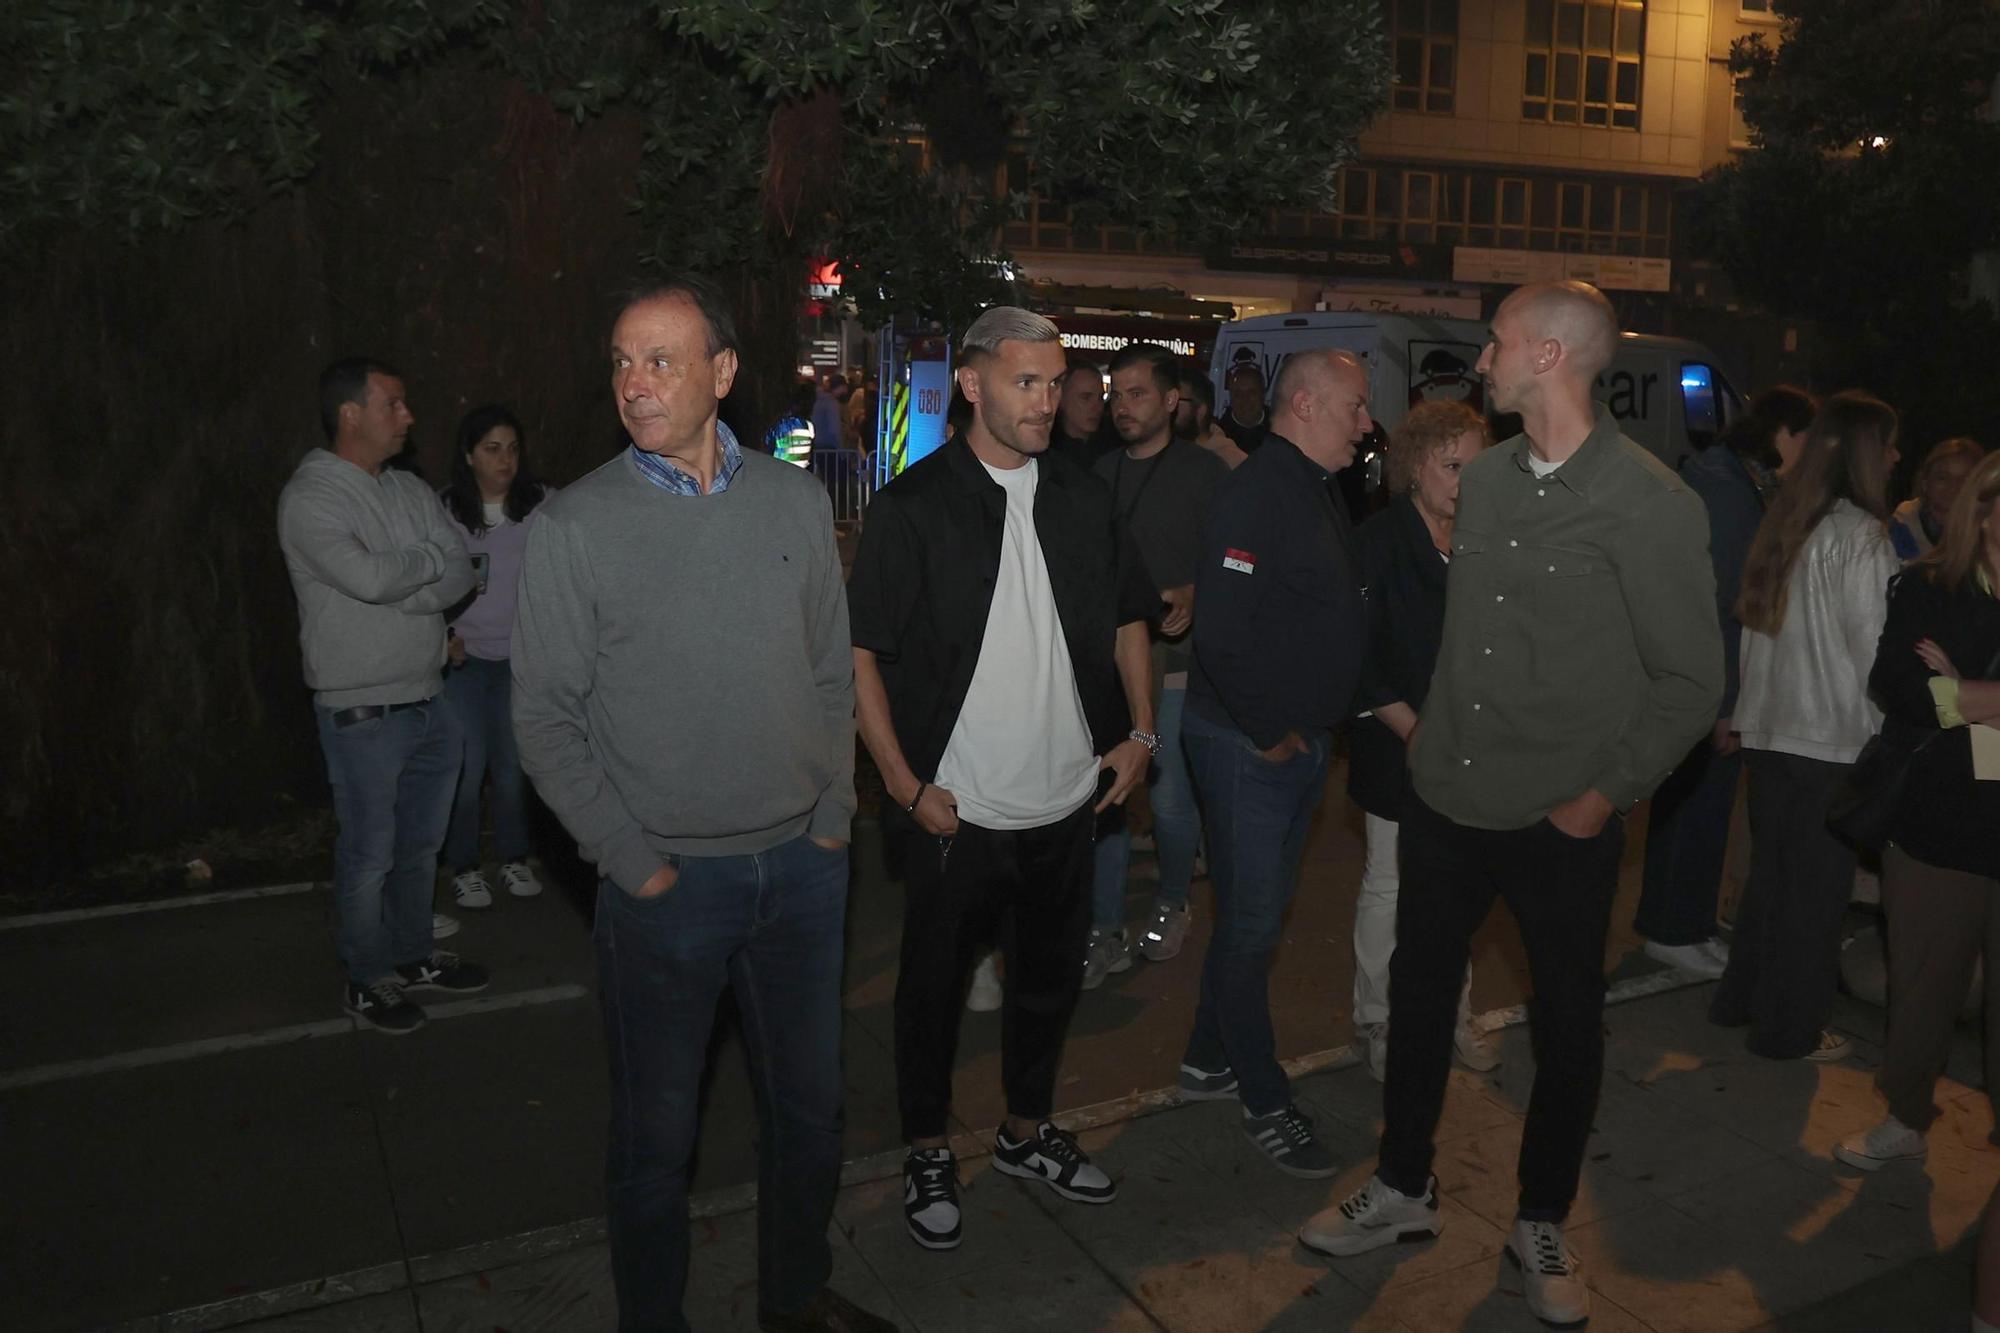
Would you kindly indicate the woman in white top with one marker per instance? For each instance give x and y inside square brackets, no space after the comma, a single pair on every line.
[1815,594]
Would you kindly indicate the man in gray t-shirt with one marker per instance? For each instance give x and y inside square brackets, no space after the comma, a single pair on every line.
[1160,489]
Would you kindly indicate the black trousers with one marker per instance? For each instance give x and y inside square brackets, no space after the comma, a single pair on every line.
[1559,889]
[1784,959]
[1029,889]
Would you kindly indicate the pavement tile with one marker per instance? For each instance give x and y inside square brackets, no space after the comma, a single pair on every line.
[1800,1237]
[1668,1271]
[1479,1172]
[1469,1300]
[1641,1137]
[1002,1225]
[1932,1296]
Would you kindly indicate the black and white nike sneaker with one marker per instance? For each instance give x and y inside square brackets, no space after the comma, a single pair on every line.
[930,1197]
[1053,1158]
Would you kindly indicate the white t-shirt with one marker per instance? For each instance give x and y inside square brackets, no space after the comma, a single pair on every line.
[1541,467]
[1020,755]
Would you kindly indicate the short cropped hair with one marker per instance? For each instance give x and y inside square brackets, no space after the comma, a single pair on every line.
[346,381]
[1003,323]
[1428,428]
[1164,364]
[698,291]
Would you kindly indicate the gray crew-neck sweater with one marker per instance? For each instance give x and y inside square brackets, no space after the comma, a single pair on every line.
[683,676]
[374,562]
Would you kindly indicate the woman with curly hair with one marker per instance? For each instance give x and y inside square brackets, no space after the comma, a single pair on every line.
[1404,551]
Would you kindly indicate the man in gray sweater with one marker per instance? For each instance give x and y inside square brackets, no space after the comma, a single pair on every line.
[375,562]
[684,701]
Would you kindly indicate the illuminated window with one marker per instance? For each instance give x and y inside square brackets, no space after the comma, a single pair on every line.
[1582,62]
[1423,34]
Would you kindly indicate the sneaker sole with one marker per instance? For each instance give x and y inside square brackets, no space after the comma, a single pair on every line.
[1405,1233]
[1864,1163]
[386,1031]
[1514,1281]
[1007,1168]
[1227,1094]
[535,892]
[932,1244]
[1153,956]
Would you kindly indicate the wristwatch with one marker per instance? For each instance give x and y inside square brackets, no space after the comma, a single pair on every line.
[1149,739]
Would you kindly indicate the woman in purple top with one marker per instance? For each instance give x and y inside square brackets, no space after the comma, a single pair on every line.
[491,497]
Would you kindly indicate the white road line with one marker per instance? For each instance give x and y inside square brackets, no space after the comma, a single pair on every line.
[37,1075]
[155,905]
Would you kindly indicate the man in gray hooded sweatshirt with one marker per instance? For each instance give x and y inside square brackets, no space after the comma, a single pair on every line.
[375,562]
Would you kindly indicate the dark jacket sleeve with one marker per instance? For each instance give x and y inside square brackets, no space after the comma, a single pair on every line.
[1899,680]
[886,581]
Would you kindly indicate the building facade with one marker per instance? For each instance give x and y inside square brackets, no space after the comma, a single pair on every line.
[1524,139]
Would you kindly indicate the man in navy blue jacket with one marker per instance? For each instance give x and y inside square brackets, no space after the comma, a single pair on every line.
[1277,658]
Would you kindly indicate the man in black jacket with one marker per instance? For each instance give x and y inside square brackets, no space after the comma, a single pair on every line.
[1277,658]
[1001,680]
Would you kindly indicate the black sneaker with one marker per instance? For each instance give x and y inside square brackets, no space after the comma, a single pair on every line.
[930,1197]
[383,1006]
[1287,1139]
[443,971]
[1053,1158]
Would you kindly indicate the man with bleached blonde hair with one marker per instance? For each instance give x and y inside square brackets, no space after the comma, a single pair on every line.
[1581,658]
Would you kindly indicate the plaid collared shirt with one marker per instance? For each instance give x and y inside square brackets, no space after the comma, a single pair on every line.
[670,478]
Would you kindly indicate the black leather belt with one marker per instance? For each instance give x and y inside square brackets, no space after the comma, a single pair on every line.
[347,717]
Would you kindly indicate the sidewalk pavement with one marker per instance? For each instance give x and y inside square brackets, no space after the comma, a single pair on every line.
[198,1140]
[1709,1203]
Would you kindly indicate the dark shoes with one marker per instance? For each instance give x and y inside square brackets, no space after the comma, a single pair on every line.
[828,1312]
[383,1006]
[445,971]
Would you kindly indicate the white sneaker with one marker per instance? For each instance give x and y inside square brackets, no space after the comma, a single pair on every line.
[985,994]
[1696,958]
[1371,1217]
[1377,1037]
[470,890]
[520,880]
[1833,1047]
[1537,1264]
[1473,1048]
[1875,1148]
[443,926]
[1716,949]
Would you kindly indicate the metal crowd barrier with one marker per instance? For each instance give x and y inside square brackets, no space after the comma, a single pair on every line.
[848,480]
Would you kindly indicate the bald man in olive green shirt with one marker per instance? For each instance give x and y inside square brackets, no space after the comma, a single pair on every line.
[1581,659]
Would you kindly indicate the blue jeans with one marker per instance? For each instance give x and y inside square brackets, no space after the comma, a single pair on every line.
[392,780]
[1257,815]
[769,926]
[1176,828]
[481,695]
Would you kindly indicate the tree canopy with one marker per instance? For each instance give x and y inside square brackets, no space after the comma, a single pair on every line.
[772,131]
[1872,182]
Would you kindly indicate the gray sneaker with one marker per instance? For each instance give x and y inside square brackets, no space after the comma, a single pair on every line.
[1198,1085]
[1371,1217]
[1108,953]
[1165,933]
[1287,1138]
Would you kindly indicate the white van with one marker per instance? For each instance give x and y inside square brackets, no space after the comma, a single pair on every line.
[1668,394]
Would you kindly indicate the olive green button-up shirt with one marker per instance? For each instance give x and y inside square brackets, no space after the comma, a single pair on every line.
[1581,647]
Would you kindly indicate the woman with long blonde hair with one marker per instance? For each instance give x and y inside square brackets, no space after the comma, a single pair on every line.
[1935,675]
[1815,592]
